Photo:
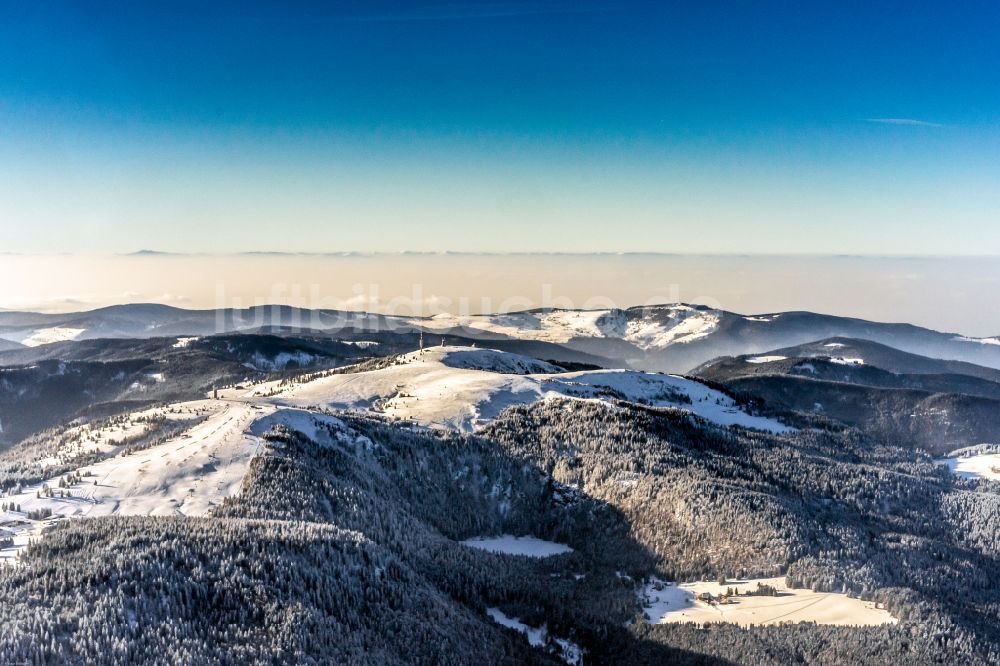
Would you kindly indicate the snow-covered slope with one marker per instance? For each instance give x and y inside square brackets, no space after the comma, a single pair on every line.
[43,336]
[677,324]
[490,360]
[185,458]
[187,474]
[982,341]
[426,387]
[673,324]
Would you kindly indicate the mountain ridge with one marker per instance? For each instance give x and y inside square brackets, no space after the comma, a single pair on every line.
[667,337]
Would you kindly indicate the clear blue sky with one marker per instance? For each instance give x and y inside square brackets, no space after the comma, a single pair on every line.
[847,127]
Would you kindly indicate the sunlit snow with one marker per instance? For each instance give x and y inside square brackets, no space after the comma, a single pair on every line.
[45,336]
[765,359]
[981,466]
[666,602]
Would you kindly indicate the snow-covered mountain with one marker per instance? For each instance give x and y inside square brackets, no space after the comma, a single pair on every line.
[464,388]
[176,459]
[857,362]
[676,324]
[531,501]
[679,337]
[184,458]
[670,338]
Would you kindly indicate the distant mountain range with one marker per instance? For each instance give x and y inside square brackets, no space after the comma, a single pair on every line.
[670,338]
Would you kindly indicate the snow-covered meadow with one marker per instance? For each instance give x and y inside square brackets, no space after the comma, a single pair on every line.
[188,474]
[666,602]
[43,336]
[975,466]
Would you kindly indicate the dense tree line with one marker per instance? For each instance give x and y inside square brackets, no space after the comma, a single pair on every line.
[829,509]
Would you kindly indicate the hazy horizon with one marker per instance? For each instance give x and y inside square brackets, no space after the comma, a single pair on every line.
[835,158]
[943,293]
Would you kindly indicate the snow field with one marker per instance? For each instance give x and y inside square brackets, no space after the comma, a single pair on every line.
[679,603]
[981,466]
[44,336]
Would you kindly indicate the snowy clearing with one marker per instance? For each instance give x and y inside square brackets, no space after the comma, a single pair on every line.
[679,603]
[982,466]
[765,359]
[509,544]
[840,360]
[549,326]
[685,324]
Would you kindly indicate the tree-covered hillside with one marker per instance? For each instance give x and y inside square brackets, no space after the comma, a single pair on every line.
[345,546]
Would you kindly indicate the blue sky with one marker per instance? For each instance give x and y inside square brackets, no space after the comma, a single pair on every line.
[789,127]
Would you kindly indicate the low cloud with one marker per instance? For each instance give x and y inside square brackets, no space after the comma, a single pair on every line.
[53,304]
